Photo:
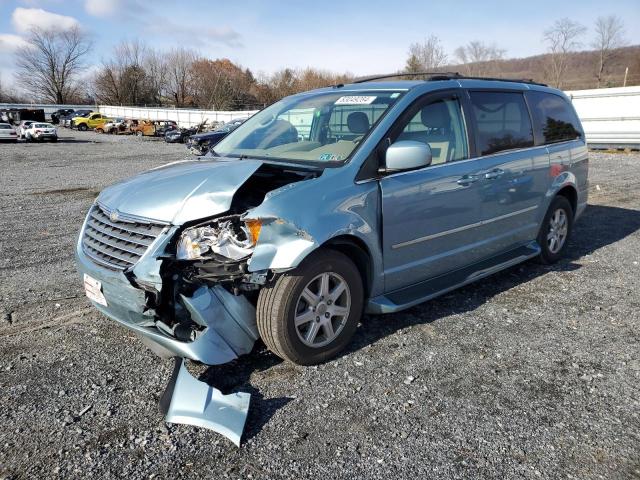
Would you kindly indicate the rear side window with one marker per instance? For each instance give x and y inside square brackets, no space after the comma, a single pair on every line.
[502,121]
[553,117]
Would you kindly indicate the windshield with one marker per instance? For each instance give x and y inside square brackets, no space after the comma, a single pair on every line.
[320,127]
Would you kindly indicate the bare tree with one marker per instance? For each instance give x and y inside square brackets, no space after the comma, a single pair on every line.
[479,58]
[426,56]
[562,39]
[155,64]
[49,67]
[179,62]
[609,37]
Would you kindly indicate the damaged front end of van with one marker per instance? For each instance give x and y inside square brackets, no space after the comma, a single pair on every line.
[183,266]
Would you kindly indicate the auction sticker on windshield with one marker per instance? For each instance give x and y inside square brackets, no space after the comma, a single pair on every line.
[356,100]
[93,290]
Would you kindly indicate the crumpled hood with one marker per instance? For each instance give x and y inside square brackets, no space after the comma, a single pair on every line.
[182,191]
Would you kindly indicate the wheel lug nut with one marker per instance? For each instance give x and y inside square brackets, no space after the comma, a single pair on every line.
[329,302]
[326,314]
[317,319]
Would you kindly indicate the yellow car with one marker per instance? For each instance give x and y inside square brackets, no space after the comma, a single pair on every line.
[92,120]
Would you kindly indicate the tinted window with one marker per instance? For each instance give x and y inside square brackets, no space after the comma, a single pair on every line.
[554,118]
[502,121]
[440,125]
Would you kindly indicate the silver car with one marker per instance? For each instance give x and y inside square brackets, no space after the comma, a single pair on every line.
[370,197]
[8,133]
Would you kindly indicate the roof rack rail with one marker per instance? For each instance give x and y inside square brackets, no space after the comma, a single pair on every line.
[437,76]
[444,75]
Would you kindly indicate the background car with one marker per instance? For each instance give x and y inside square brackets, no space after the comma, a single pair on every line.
[90,121]
[8,133]
[61,112]
[200,143]
[111,126]
[179,135]
[22,127]
[41,132]
[153,128]
[66,120]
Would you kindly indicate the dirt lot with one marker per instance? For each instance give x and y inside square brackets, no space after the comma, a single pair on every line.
[532,373]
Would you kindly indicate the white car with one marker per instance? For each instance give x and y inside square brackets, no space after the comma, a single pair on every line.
[8,133]
[41,132]
[22,127]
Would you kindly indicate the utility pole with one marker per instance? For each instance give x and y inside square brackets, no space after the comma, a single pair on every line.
[626,72]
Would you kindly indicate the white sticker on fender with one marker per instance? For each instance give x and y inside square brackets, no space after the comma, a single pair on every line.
[93,290]
[355,100]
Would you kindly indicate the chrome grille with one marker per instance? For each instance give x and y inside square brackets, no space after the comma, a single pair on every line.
[117,244]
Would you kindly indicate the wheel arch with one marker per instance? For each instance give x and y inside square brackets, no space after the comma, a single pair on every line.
[358,252]
[571,194]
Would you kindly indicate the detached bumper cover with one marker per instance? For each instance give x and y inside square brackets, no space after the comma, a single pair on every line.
[192,402]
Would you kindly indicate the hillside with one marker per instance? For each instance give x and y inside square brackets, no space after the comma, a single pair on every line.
[580,74]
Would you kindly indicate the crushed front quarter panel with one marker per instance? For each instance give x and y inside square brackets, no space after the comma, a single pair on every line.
[301,217]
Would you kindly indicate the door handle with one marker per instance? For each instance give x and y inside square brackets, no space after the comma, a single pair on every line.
[468,179]
[497,173]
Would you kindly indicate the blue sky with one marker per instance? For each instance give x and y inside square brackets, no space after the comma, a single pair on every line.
[361,37]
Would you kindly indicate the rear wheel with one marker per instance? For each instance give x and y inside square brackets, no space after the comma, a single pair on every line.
[556,230]
[309,315]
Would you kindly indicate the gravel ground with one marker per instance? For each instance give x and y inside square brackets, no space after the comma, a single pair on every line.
[532,373]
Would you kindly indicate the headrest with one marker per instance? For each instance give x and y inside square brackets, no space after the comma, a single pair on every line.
[436,115]
[358,122]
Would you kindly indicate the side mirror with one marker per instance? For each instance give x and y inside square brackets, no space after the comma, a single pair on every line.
[407,154]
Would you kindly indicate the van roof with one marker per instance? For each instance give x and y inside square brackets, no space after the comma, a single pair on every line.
[441,82]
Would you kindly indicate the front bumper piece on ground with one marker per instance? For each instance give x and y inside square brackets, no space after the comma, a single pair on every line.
[192,402]
[229,330]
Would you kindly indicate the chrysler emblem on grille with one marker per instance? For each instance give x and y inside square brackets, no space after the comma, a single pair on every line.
[114,216]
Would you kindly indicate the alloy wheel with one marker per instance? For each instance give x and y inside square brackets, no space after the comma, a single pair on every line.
[558,230]
[322,309]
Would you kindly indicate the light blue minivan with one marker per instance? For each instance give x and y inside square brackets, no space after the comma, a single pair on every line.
[373,197]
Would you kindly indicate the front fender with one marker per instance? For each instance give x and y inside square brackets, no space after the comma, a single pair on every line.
[300,218]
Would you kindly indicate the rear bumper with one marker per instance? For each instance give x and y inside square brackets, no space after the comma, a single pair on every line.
[228,322]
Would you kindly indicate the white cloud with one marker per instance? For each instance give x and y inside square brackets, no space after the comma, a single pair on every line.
[10,43]
[102,8]
[197,36]
[24,19]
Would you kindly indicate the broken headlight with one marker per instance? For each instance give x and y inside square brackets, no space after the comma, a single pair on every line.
[228,237]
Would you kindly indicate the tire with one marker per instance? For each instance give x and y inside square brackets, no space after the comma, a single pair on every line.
[99,130]
[279,301]
[139,133]
[555,231]
[82,127]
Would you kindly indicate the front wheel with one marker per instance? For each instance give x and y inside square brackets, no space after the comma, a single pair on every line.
[82,127]
[555,230]
[309,315]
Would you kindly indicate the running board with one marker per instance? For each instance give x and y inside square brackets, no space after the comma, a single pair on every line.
[434,287]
